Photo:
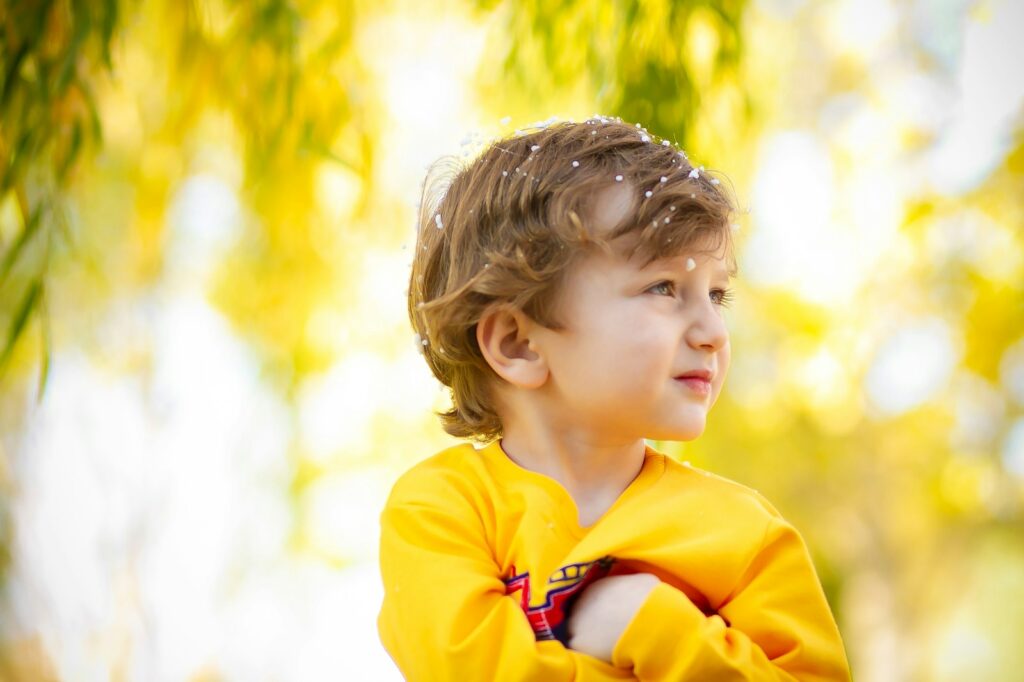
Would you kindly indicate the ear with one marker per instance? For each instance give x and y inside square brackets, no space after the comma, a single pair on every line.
[503,335]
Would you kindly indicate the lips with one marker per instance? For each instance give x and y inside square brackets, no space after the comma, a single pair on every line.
[703,374]
[698,381]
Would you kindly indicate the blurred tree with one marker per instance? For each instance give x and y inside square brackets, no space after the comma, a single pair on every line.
[286,82]
[674,66]
[50,53]
[87,181]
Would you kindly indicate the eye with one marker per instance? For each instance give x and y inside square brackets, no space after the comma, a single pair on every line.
[667,287]
[724,296]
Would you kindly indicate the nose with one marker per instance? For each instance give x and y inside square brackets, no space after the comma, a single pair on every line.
[706,329]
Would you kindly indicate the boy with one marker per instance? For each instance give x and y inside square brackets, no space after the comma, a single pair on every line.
[567,287]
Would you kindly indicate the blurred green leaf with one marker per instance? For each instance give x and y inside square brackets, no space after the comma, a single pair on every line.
[14,251]
[23,312]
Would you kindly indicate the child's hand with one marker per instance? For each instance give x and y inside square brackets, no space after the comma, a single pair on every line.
[603,611]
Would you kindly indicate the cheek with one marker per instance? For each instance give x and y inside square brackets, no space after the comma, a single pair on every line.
[724,357]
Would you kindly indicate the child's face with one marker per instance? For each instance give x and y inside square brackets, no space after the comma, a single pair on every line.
[629,333]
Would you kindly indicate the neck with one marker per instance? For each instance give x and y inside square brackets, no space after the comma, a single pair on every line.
[592,470]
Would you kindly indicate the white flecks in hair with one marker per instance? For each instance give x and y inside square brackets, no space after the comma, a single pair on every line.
[618,178]
[420,305]
[504,174]
[505,121]
[665,143]
[593,132]
[714,181]
[575,164]
[637,125]
[664,179]
[690,264]
[666,220]
[648,194]
[671,208]
[534,147]
[545,123]
[694,173]
[645,138]
[437,221]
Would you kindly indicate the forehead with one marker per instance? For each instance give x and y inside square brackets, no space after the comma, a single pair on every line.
[718,261]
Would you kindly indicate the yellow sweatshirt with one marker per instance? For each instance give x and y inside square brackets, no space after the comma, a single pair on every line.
[481,560]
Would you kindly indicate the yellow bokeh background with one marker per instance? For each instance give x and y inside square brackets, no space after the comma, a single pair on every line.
[209,382]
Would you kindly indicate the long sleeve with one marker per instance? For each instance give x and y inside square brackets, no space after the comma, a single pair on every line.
[445,614]
[775,626]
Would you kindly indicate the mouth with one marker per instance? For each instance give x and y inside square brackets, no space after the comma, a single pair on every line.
[697,381]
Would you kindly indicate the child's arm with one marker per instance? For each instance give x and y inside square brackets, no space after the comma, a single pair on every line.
[445,614]
[601,614]
[776,626]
